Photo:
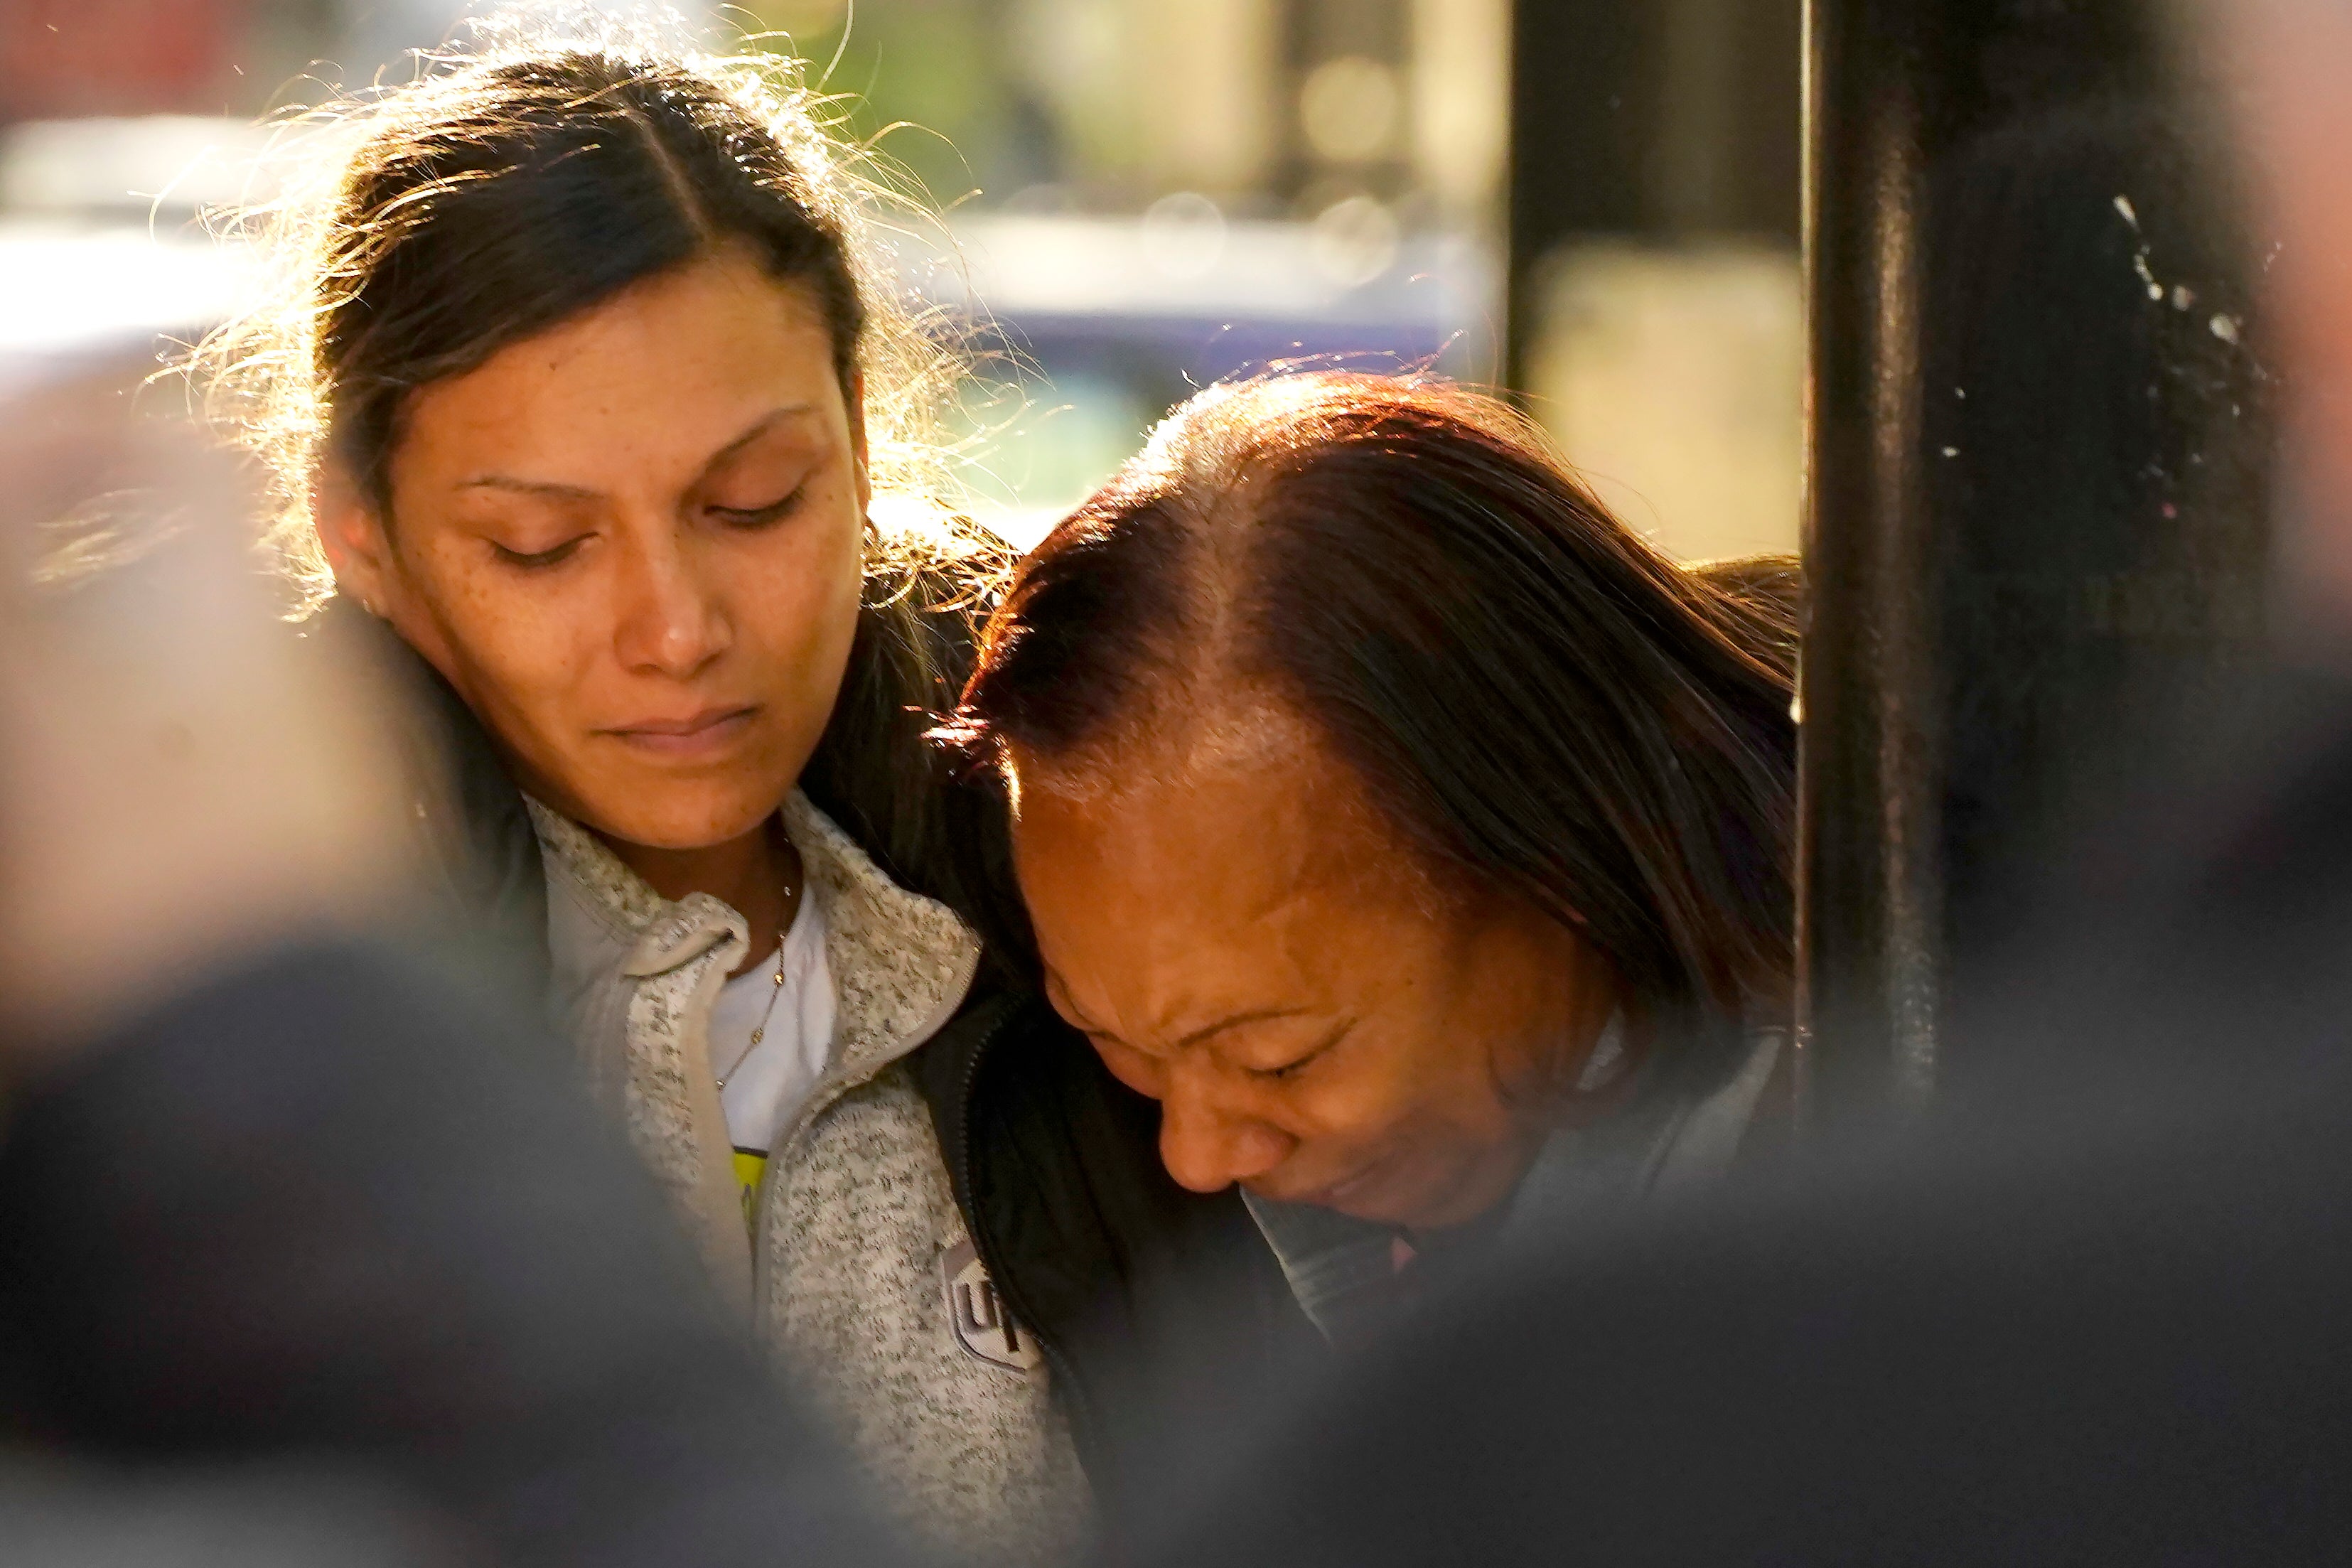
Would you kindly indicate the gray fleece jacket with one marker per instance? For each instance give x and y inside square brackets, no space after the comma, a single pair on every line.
[858,1271]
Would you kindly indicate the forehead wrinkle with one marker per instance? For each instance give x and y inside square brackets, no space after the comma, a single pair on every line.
[1186,745]
[1314,835]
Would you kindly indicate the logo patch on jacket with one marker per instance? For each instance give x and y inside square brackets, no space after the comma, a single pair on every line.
[982,1326]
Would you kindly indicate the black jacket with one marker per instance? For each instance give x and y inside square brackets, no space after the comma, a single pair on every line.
[1161,1313]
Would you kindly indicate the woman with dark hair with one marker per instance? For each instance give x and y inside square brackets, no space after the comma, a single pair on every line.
[1410,829]
[581,397]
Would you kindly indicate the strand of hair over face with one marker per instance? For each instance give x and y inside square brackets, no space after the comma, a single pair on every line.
[259,373]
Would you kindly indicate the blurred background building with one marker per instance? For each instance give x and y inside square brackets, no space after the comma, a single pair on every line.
[1592,200]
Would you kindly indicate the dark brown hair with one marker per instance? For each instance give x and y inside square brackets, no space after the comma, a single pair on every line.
[1534,697]
[551,183]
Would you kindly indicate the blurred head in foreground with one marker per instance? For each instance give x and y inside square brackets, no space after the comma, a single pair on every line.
[1366,770]
[2283,64]
[580,381]
[177,793]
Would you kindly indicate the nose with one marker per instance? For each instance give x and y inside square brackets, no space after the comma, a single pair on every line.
[671,620]
[1207,1145]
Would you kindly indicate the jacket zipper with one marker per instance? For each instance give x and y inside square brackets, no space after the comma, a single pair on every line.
[1084,1428]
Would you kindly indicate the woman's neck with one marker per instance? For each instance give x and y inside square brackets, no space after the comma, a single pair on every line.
[757,874]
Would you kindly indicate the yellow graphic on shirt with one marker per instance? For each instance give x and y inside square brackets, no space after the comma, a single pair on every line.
[751,1165]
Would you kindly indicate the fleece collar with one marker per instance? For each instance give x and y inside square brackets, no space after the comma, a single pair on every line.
[901,963]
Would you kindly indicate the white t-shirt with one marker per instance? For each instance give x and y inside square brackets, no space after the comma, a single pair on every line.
[767,1087]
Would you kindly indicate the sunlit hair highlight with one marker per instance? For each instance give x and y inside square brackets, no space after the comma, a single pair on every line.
[388,197]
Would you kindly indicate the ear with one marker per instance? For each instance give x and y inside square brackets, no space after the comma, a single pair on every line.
[351,535]
[858,448]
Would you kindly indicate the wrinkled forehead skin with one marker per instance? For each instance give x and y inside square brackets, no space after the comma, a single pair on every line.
[1210,733]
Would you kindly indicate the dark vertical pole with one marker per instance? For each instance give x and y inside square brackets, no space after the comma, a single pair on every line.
[2038,456]
[1869,865]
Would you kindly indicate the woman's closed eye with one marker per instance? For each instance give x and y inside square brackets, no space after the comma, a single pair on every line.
[1286,1070]
[761,515]
[539,560]
[1298,1064]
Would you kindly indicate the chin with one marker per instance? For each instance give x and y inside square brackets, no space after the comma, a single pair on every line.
[1391,1189]
[1445,1198]
[665,817]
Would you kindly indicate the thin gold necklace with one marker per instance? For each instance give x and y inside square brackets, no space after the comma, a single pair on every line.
[774,992]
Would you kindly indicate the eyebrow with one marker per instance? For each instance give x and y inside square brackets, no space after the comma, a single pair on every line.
[1263,1016]
[1061,993]
[528,487]
[553,489]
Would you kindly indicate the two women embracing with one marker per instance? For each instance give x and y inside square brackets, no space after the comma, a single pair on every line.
[1342,844]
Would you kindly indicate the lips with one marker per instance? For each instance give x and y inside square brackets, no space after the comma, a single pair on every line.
[1336,1195]
[711,730]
